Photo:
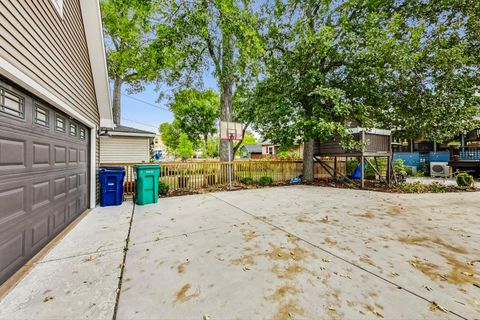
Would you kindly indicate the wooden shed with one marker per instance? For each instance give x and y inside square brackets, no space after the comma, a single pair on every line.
[376,143]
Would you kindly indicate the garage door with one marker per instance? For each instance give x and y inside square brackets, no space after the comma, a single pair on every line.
[44,175]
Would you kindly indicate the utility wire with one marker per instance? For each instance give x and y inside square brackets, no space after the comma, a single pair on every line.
[147,103]
[142,123]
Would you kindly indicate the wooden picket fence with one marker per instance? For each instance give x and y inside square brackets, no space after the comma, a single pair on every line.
[199,175]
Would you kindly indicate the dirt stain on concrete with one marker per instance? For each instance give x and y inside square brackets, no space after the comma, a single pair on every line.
[280,253]
[290,272]
[244,260]
[460,272]
[395,210]
[288,310]
[366,259]
[366,214]
[248,234]
[182,296]
[292,238]
[427,268]
[427,242]
[181,267]
[329,241]
[373,310]
[282,291]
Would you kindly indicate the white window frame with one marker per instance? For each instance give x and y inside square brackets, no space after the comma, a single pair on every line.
[20,113]
[46,123]
[73,126]
[64,121]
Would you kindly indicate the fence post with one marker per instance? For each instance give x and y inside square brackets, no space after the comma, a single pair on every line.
[250,169]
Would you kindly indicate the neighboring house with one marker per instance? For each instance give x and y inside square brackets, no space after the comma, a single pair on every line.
[54,96]
[126,145]
[251,151]
[159,148]
[269,148]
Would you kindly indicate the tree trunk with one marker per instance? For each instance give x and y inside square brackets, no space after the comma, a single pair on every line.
[308,160]
[205,139]
[225,115]
[117,91]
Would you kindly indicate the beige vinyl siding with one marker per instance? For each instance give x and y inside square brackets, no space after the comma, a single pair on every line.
[51,49]
[117,149]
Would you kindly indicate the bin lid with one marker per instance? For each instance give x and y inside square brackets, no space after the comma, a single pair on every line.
[146,166]
[111,168]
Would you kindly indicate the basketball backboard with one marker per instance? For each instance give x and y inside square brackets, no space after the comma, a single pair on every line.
[231,130]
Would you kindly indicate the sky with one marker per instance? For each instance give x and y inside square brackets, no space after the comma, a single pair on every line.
[137,110]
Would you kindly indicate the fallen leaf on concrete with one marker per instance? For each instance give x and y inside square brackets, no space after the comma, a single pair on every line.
[428,288]
[48,298]
[331,308]
[395,274]
[326,260]
[378,314]
[468,274]
[435,306]
[443,277]
[206,317]
[342,275]
[157,238]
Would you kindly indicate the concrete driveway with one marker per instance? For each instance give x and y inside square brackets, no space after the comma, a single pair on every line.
[276,253]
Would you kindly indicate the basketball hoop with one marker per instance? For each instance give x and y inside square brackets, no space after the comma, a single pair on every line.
[231,131]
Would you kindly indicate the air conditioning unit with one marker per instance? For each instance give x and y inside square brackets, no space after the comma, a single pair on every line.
[411,169]
[439,169]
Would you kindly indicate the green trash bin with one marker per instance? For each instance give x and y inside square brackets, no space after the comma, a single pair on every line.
[146,176]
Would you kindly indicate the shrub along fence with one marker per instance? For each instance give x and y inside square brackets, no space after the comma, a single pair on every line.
[198,175]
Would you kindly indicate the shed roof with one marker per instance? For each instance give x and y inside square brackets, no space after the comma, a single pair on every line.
[253,148]
[129,131]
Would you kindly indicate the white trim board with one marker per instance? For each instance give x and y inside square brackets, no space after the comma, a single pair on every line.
[16,75]
[93,167]
[92,23]
[132,134]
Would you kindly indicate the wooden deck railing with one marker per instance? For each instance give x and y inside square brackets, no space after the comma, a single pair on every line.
[198,175]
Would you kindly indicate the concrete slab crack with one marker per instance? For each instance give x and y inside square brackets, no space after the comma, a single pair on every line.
[122,266]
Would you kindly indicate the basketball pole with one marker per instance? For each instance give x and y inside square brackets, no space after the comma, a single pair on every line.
[229,165]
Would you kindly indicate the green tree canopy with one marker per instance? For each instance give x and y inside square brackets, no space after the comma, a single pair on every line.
[185,147]
[332,65]
[221,36]
[196,113]
[139,45]
[170,136]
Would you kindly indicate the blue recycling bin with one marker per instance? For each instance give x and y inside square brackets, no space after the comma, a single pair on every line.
[111,185]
